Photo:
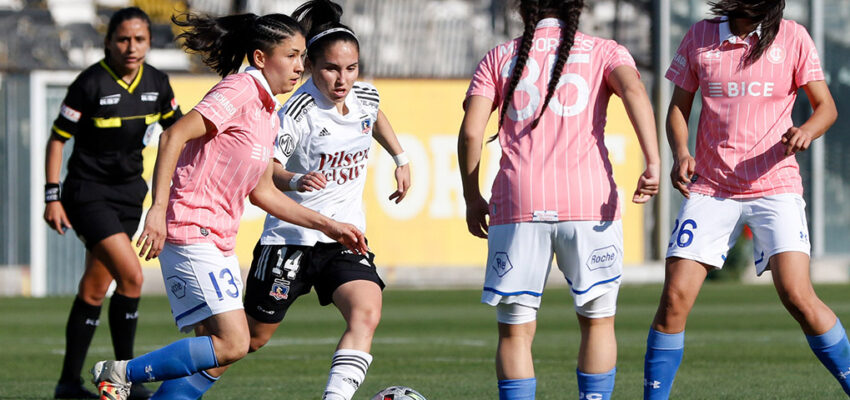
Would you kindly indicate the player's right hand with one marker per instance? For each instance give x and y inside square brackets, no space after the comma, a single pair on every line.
[476,217]
[681,174]
[312,181]
[152,239]
[348,235]
[54,215]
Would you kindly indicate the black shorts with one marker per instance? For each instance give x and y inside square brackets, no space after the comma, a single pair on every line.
[281,273]
[98,210]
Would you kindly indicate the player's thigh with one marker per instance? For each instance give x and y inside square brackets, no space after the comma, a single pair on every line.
[779,225]
[518,261]
[337,267]
[278,276]
[200,282]
[705,229]
[590,255]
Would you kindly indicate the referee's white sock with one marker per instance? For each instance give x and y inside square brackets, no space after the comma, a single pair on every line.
[348,370]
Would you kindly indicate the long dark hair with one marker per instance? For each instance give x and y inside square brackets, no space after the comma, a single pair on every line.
[120,16]
[766,12]
[532,11]
[318,16]
[224,42]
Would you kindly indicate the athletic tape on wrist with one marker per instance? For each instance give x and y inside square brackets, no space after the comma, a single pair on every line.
[293,182]
[401,159]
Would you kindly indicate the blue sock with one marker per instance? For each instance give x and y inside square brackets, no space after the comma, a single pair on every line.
[833,350]
[190,387]
[663,356]
[517,389]
[596,386]
[181,358]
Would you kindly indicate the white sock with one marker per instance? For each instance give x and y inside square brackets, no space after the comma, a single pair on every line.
[348,370]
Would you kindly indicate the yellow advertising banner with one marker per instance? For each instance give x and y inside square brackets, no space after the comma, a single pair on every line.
[428,228]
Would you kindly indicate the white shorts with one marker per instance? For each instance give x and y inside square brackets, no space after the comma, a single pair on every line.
[707,227]
[590,255]
[200,282]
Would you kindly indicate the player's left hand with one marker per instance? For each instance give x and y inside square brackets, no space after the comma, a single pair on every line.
[402,178]
[152,238]
[647,184]
[476,217]
[796,139]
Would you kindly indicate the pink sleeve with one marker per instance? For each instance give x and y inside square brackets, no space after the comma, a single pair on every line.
[682,71]
[222,103]
[486,78]
[808,67]
[618,56]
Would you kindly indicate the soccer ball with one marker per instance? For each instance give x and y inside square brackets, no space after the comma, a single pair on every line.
[398,393]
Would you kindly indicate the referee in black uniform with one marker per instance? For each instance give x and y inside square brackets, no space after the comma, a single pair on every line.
[110,110]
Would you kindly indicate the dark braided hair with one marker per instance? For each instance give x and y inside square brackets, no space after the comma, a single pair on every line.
[120,16]
[766,12]
[317,16]
[224,42]
[532,11]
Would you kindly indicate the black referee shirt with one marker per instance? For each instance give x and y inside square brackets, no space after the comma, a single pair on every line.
[109,119]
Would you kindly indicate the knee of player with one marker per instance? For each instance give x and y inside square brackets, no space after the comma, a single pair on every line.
[130,281]
[366,319]
[257,343]
[232,350]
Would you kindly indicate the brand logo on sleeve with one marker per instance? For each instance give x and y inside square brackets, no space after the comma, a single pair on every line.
[70,114]
[110,100]
[150,96]
[286,144]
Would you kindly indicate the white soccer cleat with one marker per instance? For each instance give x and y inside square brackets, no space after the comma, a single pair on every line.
[110,377]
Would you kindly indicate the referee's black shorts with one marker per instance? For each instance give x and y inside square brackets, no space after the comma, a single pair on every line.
[98,210]
[281,273]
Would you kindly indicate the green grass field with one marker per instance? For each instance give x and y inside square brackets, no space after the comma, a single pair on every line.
[741,344]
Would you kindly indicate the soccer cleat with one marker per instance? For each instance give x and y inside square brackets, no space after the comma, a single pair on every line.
[72,390]
[139,392]
[111,380]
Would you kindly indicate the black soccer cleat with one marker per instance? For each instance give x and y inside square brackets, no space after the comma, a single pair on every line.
[73,390]
[139,392]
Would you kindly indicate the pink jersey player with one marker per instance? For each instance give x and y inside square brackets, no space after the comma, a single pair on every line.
[555,192]
[748,64]
[208,162]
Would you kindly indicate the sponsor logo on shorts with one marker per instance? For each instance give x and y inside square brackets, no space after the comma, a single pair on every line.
[150,96]
[110,100]
[177,286]
[264,311]
[280,289]
[501,263]
[804,237]
[602,258]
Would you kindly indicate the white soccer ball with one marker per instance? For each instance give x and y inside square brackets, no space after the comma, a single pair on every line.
[398,393]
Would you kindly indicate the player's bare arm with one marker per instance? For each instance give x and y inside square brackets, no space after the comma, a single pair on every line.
[626,84]
[823,116]
[677,137]
[469,144]
[266,196]
[171,143]
[285,180]
[386,137]
[54,212]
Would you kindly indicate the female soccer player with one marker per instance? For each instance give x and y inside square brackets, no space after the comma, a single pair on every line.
[324,140]
[215,156]
[110,109]
[554,192]
[748,64]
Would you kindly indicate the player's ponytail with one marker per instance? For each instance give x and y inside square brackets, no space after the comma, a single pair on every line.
[768,13]
[321,20]
[531,14]
[225,42]
[120,16]
[570,13]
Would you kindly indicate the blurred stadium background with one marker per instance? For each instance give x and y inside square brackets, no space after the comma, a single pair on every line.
[420,54]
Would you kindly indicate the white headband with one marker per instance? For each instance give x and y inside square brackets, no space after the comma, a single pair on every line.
[328,32]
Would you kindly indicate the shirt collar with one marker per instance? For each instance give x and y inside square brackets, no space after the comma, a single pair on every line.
[726,35]
[550,23]
[258,75]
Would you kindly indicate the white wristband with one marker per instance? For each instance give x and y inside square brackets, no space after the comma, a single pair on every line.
[293,182]
[401,159]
